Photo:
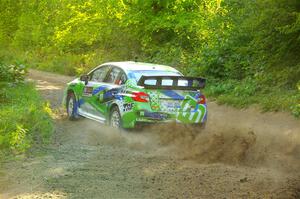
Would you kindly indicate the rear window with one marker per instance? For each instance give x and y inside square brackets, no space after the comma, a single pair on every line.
[137,74]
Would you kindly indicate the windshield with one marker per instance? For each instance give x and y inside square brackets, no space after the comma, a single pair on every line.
[137,74]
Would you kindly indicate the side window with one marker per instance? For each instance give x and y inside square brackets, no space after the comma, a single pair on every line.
[99,74]
[123,78]
[113,76]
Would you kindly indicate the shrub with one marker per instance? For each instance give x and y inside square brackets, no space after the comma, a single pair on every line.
[12,73]
[24,119]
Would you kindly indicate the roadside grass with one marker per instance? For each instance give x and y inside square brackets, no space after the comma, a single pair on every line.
[25,119]
[241,94]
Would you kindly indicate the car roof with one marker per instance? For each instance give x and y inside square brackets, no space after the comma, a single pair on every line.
[131,66]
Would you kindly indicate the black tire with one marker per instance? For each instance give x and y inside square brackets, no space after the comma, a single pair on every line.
[115,119]
[71,106]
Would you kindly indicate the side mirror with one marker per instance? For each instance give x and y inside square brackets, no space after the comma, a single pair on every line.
[84,78]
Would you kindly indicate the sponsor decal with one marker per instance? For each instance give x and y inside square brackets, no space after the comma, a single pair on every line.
[127,107]
[108,95]
[172,94]
[170,105]
[87,91]
[99,89]
[155,115]
[191,116]
[154,100]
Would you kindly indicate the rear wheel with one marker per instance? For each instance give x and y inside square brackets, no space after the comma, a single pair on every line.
[115,118]
[71,106]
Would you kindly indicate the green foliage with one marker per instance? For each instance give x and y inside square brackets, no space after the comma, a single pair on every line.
[243,93]
[17,139]
[12,73]
[246,48]
[24,119]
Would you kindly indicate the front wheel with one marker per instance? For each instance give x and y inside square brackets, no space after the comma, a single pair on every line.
[71,107]
[115,118]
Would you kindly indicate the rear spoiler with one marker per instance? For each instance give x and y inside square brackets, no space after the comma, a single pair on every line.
[172,82]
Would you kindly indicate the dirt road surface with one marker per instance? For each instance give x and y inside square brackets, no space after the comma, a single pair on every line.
[241,154]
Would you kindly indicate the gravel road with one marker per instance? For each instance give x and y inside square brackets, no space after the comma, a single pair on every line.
[241,154]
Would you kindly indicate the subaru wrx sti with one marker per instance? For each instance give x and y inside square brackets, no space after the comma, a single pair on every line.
[125,94]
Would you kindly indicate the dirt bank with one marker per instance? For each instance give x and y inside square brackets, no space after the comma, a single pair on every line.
[241,154]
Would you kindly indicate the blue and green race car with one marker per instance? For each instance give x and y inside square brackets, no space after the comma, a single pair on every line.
[125,94]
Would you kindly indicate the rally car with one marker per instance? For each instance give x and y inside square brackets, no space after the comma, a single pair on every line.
[125,94]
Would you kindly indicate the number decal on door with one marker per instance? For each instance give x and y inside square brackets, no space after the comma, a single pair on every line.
[88,91]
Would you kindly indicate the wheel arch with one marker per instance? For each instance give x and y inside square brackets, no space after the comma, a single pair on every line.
[71,91]
[67,93]
[109,112]
[114,104]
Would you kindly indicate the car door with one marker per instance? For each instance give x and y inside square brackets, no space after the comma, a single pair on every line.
[113,82]
[91,105]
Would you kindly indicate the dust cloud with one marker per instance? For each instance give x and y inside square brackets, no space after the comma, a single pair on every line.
[231,146]
[210,145]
